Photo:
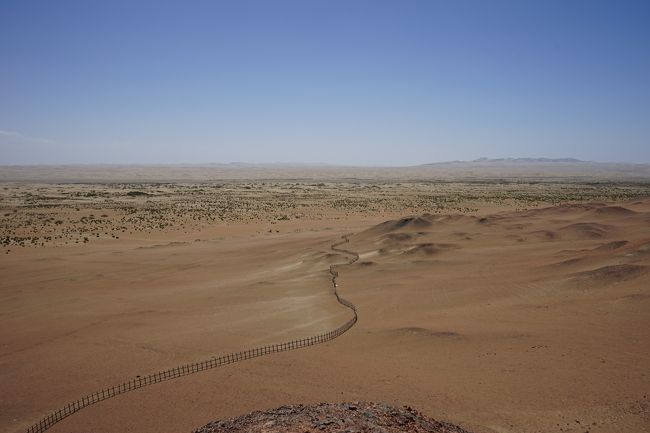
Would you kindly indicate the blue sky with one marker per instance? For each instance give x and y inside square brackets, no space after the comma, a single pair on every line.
[350,82]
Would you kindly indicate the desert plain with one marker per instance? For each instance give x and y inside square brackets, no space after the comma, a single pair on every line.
[500,305]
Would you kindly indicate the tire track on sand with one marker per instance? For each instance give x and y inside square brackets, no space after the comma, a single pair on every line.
[186,369]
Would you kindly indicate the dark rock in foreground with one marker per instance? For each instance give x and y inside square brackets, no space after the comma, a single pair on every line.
[358,417]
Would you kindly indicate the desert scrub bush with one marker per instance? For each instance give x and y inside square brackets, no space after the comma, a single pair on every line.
[138,194]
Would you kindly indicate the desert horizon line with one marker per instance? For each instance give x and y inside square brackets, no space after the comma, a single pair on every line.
[235,164]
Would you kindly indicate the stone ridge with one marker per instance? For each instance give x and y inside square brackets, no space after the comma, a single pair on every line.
[357,417]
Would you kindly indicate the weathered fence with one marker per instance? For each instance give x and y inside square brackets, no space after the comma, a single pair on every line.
[214,362]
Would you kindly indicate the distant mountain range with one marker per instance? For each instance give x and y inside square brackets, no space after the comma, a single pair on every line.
[515,161]
[478,160]
[530,160]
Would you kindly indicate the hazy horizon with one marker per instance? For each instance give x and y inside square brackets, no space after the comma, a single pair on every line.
[359,83]
[512,160]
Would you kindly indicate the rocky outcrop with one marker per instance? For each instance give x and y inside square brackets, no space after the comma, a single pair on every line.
[354,417]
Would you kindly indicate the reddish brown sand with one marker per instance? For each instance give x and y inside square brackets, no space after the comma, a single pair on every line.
[531,321]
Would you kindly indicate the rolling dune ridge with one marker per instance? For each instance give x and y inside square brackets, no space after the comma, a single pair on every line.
[495,319]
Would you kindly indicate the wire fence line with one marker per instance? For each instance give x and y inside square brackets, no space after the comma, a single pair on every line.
[186,369]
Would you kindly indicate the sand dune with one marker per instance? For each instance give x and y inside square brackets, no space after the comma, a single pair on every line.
[429,248]
[607,275]
[586,230]
[501,320]
[614,245]
[613,211]
[407,223]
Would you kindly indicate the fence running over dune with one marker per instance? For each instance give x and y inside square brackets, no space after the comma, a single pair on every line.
[184,370]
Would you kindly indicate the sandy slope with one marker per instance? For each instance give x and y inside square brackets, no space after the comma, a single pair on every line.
[530,321]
